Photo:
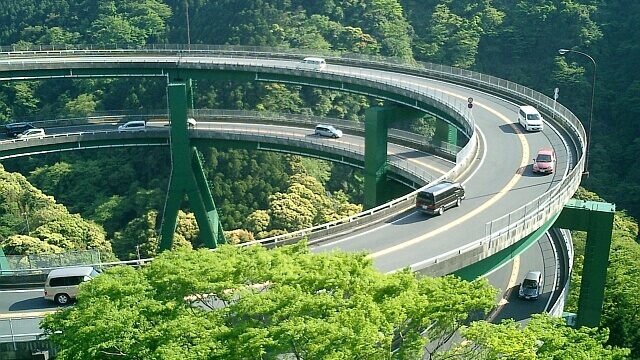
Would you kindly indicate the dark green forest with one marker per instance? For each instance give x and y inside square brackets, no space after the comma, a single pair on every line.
[110,201]
[514,40]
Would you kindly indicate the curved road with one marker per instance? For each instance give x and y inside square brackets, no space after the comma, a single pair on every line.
[500,182]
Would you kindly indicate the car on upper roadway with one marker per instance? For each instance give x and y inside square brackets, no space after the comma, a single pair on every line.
[191,122]
[15,129]
[545,161]
[32,133]
[328,131]
[135,125]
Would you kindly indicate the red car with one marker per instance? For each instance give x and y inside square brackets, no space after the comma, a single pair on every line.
[545,161]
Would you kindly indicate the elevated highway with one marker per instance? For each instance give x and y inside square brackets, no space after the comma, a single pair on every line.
[507,207]
[506,203]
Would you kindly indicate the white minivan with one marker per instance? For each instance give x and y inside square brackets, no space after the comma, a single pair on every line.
[136,125]
[312,63]
[61,285]
[529,118]
[328,131]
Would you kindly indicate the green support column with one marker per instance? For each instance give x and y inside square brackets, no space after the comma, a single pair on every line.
[596,218]
[376,127]
[205,204]
[375,155]
[447,134]
[187,178]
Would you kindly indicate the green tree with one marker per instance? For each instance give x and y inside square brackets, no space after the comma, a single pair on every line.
[290,212]
[46,36]
[130,22]
[543,337]
[83,105]
[386,21]
[27,245]
[258,222]
[249,302]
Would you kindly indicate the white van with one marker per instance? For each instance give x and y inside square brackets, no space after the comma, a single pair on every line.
[136,125]
[61,285]
[312,63]
[529,118]
[328,131]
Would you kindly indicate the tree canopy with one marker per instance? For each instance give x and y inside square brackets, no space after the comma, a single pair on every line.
[253,303]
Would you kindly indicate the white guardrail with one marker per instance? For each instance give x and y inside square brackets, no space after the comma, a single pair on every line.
[499,234]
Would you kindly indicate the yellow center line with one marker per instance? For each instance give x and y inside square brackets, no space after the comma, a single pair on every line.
[516,177]
[513,279]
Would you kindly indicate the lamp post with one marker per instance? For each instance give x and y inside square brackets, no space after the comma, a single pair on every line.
[593,92]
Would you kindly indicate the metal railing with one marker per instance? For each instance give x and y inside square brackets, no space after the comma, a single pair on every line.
[500,233]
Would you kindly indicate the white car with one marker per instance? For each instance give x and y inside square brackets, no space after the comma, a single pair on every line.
[191,122]
[328,131]
[32,133]
[136,125]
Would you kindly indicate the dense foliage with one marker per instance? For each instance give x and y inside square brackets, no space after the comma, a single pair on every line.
[32,222]
[515,40]
[252,303]
[543,337]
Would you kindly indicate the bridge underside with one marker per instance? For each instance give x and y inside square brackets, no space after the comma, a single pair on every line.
[187,178]
[596,218]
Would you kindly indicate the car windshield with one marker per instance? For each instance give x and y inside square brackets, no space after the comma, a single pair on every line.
[544,158]
[530,284]
[533,117]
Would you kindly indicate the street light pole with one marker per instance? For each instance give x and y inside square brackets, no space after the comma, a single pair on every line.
[593,92]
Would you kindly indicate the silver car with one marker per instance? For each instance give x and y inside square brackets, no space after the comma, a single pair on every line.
[531,286]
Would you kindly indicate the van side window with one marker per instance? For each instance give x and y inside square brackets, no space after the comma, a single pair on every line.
[56,282]
[438,198]
[66,281]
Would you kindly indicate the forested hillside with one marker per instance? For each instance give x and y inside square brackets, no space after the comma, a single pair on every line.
[111,201]
[516,40]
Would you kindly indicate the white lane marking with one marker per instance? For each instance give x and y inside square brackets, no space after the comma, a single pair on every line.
[22,290]
[400,219]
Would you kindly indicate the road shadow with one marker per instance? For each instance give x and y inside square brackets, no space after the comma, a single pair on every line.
[520,309]
[35,303]
[508,128]
[411,217]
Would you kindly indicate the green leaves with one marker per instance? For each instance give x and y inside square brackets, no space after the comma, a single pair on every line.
[249,302]
[543,337]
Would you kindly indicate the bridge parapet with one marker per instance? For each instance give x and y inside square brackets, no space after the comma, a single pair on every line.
[501,232]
